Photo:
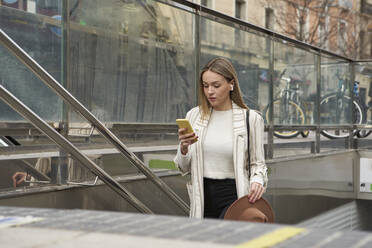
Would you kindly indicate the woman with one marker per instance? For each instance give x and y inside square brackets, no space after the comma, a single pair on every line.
[216,153]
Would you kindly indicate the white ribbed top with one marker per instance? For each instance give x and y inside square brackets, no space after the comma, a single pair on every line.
[218,146]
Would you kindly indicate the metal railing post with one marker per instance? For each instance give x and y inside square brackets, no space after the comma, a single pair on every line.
[351,85]
[270,134]
[197,50]
[318,62]
[65,58]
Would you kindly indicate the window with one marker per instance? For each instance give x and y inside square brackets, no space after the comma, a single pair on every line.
[342,35]
[361,44]
[269,24]
[239,9]
[303,23]
[322,33]
[239,13]
[269,18]
[204,27]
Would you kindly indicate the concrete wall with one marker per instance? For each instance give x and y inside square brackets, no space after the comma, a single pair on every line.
[298,189]
[100,197]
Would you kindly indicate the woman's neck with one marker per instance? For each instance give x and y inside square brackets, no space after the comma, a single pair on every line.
[226,106]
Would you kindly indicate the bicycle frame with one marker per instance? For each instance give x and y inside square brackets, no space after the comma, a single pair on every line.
[289,93]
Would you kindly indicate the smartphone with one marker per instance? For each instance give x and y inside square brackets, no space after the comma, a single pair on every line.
[184,123]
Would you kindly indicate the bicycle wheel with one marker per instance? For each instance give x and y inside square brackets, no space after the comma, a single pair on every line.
[293,115]
[336,110]
[305,134]
[362,133]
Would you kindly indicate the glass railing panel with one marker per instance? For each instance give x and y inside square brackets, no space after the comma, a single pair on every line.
[363,89]
[32,152]
[173,70]
[18,79]
[248,53]
[37,29]
[133,66]
[337,110]
[363,95]
[294,79]
[294,103]
[335,103]
[132,62]
[253,68]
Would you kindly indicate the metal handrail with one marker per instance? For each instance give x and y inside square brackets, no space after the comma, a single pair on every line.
[65,144]
[46,78]
[200,9]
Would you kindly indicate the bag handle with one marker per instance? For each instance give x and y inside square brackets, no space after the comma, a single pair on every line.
[249,155]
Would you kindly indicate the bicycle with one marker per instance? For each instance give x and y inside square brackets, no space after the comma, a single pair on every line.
[362,133]
[288,108]
[335,109]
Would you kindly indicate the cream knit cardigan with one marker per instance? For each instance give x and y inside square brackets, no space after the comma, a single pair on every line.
[193,160]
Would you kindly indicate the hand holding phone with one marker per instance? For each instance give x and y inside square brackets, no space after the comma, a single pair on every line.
[188,137]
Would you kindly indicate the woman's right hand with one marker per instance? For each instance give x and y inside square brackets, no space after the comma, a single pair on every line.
[186,140]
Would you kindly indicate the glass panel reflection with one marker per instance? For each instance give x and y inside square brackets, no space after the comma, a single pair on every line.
[294,88]
[35,27]
[132,62]
[336,107]
[247,53]
[44,168]
[363,93]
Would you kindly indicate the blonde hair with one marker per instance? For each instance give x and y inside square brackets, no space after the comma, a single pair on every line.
[225,68]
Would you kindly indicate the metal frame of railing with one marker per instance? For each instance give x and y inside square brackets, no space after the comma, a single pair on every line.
[230,20]
[28,114]
[201,12]
[46,78]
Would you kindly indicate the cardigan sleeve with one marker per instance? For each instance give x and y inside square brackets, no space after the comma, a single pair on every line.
[183,161]
[258,165]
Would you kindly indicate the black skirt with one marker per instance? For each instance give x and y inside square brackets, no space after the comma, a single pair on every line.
[218,196]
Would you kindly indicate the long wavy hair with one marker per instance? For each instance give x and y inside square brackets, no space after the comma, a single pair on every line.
[225,68]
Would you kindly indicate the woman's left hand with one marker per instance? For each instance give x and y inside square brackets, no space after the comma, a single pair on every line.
[256,191]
